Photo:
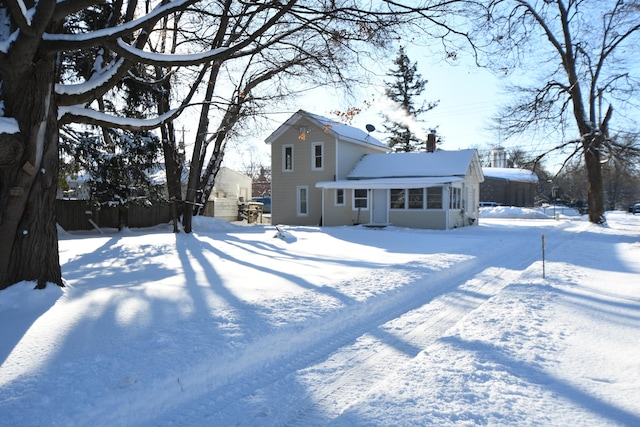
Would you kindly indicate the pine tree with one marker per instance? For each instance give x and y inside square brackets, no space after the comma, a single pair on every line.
[406,86]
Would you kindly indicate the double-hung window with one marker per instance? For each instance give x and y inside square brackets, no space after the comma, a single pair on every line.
[361,199]
[340,197]
[455,198]
[317,159]
[302,200]
[287,158]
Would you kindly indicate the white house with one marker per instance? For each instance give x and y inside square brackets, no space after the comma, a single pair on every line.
[230,189]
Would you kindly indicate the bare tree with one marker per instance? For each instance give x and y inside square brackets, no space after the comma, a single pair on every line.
[582,52]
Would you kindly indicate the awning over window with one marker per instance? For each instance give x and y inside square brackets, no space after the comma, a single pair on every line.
[384,183]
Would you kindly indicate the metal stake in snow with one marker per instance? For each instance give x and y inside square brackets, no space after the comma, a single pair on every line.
[544,245]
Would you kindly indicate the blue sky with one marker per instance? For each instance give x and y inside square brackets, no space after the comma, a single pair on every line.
[468,97]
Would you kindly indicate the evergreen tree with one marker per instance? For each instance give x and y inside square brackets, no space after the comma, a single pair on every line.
[119,163]
[406,86]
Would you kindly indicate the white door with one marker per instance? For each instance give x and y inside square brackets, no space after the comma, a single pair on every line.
[380,208]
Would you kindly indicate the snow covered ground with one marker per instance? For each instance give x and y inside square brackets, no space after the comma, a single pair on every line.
[341,326]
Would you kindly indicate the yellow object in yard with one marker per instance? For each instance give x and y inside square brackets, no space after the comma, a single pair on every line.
[254,212]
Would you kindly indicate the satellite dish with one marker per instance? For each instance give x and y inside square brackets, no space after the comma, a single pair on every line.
[370,128]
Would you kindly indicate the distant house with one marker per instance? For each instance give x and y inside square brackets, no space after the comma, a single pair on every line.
[230,189]
[329,173]
[77,188]
[510,187]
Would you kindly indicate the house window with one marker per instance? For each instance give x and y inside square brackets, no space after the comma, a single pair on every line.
[396,198]
[416,198]
[434,197]
[287,158]
[361,199]
[413,198]
[303,200]
[340,197]
[316,153]
[455,198]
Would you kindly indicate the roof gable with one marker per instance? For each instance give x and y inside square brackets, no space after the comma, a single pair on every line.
[334,128]
[415,164]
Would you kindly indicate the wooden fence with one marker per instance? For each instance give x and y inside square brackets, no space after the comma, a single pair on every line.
[75,215]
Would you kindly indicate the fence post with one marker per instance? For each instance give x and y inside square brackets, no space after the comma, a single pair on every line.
[544,244]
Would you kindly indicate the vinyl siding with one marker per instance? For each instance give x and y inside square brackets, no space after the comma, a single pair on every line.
[284,184]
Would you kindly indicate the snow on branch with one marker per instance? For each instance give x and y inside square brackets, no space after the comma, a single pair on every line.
[152,58]
[97,80]
[77,41]
[83,115]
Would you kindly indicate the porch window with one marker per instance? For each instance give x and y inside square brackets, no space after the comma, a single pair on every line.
[416,198]
[361,199]
[455,198]
[340,197]
[302,200]
[317,156]
[396,198]
[434,197]
[287,158]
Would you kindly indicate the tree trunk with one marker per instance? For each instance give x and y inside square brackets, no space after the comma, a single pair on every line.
[173,167]
[595,191]
[209,177]
[29,244]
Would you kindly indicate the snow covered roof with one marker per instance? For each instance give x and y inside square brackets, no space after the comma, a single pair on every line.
[510,174]
[415,164]
[407,170]
[332,127]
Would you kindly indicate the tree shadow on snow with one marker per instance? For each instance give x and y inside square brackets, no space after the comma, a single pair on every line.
[20,307]
[556,385]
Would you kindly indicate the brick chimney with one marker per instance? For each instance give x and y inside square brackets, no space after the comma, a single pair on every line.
[431,142]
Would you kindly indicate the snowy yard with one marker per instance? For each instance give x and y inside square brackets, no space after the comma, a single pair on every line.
[341,326]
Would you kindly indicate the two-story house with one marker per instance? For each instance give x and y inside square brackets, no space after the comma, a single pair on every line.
[328,173]
[305,150]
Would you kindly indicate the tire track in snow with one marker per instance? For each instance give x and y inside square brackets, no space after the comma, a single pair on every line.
[436,318]
[435,297]
[417,329]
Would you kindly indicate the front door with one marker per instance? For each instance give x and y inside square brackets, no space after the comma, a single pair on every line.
[379,207]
